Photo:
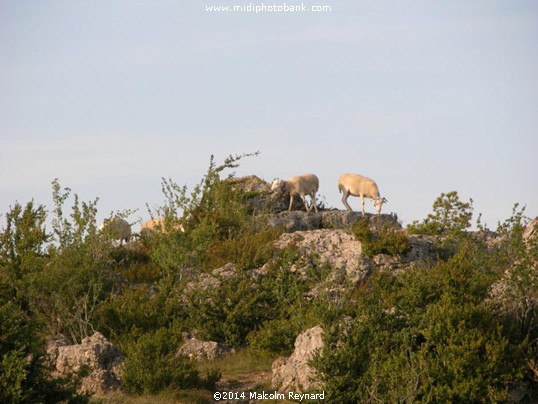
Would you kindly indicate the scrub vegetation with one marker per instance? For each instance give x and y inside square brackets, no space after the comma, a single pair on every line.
[426,334]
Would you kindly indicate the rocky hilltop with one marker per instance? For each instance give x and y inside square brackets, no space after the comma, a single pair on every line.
[328,256]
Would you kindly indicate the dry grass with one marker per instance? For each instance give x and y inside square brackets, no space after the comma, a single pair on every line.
[246,370]
[244,361]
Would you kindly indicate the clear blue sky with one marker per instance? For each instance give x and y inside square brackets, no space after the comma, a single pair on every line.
[422,96]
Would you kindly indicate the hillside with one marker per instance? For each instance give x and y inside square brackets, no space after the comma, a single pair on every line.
[253,298]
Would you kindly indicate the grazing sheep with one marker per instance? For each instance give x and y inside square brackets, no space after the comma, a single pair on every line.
[302,185]
[158,224]
[357,185]
[119,228]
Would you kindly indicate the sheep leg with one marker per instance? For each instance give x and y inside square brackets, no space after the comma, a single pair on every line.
[344,200]
[313,196]
[291,202]
[362,204]
[303,197]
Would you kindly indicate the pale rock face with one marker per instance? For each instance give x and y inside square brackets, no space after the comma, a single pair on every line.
[294,373]
[95,356]
[337,249]
[199,350]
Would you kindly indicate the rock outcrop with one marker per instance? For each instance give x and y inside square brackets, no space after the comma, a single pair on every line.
[259,197]
[199,350]
[95,359]
[290,220]
[294,373]
[422,252]
[297,220]
[336,249]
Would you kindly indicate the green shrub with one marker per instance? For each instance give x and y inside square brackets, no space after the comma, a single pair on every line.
[23,375]
[211,214]
[249,250]
[450,215]
[423,336]
[387,241]
[231,311]
[275,336]
[153,365]
[23,241]
[135,312]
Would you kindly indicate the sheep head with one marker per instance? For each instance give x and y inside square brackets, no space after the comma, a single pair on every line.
[378,203]
[278,183]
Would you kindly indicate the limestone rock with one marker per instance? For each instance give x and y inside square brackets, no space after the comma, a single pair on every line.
[337,249]
[212,280]
[291,220]
[95,357]
[294,373]
[198,349]
[343,219]
[260,198]
[422,252]
[297,220]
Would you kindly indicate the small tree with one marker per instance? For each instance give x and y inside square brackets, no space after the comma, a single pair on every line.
[210,213]
[450,216]
[23,241]
[65,292]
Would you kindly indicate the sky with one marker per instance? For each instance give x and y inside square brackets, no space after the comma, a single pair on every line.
[423,96]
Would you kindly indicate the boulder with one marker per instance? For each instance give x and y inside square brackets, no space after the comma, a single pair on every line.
[337,249]
[198,349]
[422,252]
[290,220]
[259,197]
[294,373]
[344,219]
[297,220]
[95,359]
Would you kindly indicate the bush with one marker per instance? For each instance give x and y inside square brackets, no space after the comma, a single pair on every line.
[230,312]
[387,241]
[152,364]
[23,375]
[450,215]
[423,336]
[135,312]
[247,251]
[275,336]
[23,242]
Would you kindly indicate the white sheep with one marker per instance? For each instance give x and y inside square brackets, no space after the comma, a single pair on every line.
[302,185]
[119,228]
[357,185]
[158,224]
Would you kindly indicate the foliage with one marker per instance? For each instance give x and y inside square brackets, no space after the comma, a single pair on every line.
[450,216]
[213,212]
[424,337]
[65,294]
[229,312]
[248,250]
[153,365]
[23,242]
[386,241]
[465,330]
[23,375]
[136,311]
[275,336]
[267,313]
